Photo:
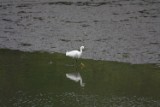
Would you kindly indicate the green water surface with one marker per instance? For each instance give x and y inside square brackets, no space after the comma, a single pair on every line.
[38,79]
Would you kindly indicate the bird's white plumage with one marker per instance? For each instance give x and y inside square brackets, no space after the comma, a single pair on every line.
[75,53]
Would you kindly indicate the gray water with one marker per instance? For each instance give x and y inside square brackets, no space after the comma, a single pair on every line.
[114,30]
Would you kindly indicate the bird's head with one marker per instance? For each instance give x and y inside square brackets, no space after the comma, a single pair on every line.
[82,47]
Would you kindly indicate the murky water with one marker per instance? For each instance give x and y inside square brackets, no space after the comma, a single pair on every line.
[114,30]
[111,30]
[40,79]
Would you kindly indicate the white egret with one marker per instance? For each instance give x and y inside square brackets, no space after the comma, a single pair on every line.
[75,77]
[75,53]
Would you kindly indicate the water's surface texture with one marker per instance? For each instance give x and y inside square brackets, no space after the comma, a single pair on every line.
[38,79]
[35,34]
[115,30]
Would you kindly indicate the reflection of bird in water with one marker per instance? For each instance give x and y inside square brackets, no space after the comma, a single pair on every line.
[75,77]
[75,53]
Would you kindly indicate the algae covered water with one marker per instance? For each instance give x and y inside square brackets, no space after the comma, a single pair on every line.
[38,79]
[111,30]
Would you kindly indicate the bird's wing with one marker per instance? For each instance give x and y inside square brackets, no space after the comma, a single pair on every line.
[72,53]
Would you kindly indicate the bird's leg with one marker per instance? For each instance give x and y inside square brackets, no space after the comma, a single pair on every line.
[76,60]
[76,68]
[76,64]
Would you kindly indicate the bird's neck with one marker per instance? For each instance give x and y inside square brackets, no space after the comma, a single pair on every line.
[81,50]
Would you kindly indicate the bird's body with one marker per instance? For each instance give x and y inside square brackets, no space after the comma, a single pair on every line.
[75,53]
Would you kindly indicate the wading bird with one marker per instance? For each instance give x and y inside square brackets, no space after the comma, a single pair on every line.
[75,53]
